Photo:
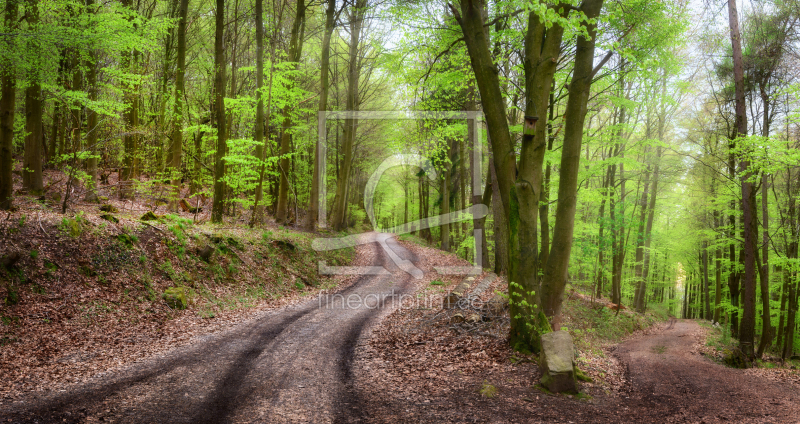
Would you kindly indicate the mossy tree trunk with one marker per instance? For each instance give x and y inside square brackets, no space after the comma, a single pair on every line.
[8,93]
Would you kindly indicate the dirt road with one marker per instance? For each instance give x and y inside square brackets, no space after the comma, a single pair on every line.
[291,366]
[671,383]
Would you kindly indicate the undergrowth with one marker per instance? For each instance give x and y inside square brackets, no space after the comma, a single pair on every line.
[594,325]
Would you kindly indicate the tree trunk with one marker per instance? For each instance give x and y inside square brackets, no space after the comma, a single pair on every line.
[555,272]
[718,271]
[176,152]
[219,110]
[782,312]
[325,60]
[357,13]
[601,243]
[127,170]
[544,203]
[638,299]
[747,328]
[651,210]
[479,224]
[444,229]
[766,316]
[706,283]
[7,104]
[32,172]
[500,227]
[295,49]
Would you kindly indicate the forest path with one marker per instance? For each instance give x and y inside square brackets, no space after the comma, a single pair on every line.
[670,382]
[290,366]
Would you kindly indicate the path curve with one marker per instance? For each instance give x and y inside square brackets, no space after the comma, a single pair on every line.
[292,366]
[670,382]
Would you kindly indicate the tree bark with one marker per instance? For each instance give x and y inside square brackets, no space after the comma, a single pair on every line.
[32,165]
[357,13]
[219,110]
[638,300]
[747,328]
[706,283]
[766,317]
[177,120]
[325,60]
[127,170]
[8,100]
[295,49]
[718,271]
[555,272]
[444,229]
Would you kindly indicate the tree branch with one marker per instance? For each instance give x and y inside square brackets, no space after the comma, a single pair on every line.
[611,52]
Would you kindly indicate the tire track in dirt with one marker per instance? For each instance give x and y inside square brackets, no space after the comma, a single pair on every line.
[291,366]
[670,382]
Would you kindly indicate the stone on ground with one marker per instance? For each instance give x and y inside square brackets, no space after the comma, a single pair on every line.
[175,297]
[556,362]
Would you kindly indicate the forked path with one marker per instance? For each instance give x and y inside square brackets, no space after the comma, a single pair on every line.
[290,366]
[671,383]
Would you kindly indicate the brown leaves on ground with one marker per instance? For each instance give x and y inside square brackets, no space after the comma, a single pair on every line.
[419,367]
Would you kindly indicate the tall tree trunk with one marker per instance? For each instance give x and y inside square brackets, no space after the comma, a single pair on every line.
[555,271]
[325,60]
[792,250]
[32,165]
[357,14]
[91,124]
[500,229]
[444,229]
[706,283]
[176,152]
[258,132]
[747,328]
[295,49]
[638,299]
[8,84]
[766,317]
[544,202]
[601,242]
[718,271]
[479,224]
[219,110]
[130,143]
[782,312]
[651,210]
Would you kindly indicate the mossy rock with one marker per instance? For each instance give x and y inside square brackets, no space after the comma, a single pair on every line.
[109,208]
[737,359]
[110,218]
[149,216]
[232,242]
[176,297]
[127,240]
